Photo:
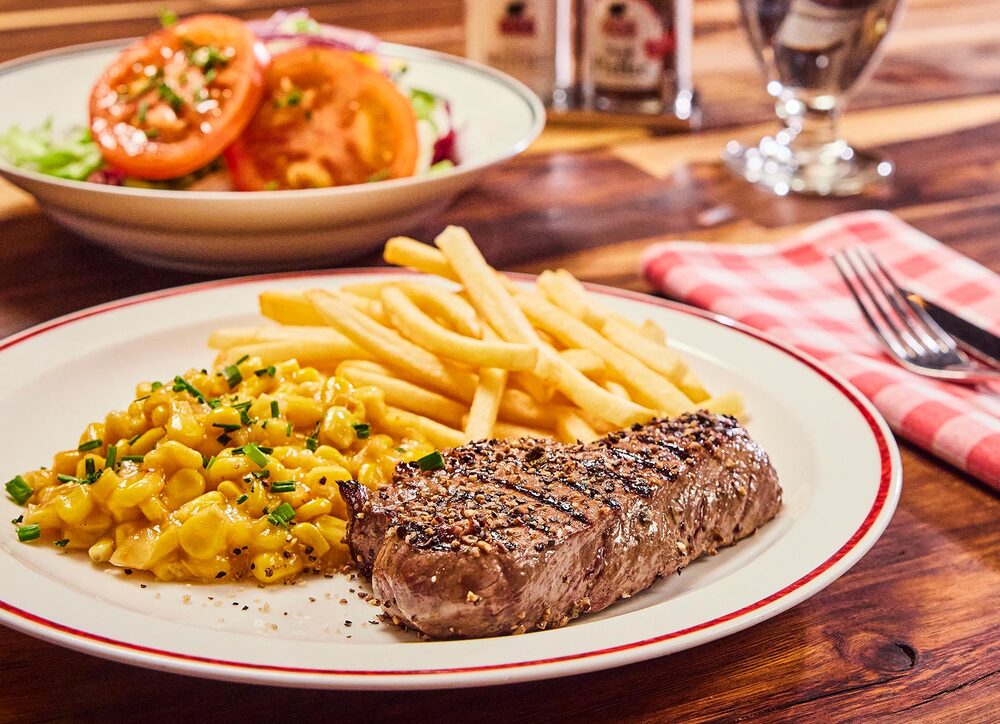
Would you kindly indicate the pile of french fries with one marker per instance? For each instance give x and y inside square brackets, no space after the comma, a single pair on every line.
[482,357]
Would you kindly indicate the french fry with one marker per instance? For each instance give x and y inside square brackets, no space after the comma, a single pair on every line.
[445,306]
[403,251]
[388,346]
[539,390]
[728,403]
[308,352]
[586,361]
[425,332]
[369,290]
[693,388]
[231,336]
[509,431]
[400,423]
[598,401]
[405,395]
[519,407]
[655,356]
[653,332]
[289,308]
[571,427]
[562,289]
[489,295]
[485,404]
[568,293]
[616,389]
[649,388]
[371,307]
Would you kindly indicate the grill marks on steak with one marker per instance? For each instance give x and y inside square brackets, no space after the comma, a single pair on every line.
[512,536]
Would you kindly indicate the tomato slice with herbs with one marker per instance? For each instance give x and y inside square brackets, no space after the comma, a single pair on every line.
[327,119]
[172,102]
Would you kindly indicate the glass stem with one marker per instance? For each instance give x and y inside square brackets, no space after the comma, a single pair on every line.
[810,124]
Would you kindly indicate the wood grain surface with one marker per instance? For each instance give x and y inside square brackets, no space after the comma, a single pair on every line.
[911,633]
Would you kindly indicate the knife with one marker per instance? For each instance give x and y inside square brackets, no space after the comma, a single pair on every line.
[978,342]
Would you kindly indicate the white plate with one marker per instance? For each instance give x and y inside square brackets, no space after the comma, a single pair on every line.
[835,457]
[227,231]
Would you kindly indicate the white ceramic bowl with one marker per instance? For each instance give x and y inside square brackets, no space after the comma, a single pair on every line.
[208,231]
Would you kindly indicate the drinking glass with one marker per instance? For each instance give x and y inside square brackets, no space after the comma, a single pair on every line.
[812,53]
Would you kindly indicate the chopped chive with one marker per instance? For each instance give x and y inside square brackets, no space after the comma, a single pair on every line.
[131,440]
[363,430]
[242,499]
[91,467]
[433,461]
[156,385]
[266,450]
[263,425]
[224,439]
[140,399]
[213,403]
[233,375]
[269,371]
[275,412]
[281,515]
[242,359]
[241,406]
[69,479]
[61,543]
[89,445]
[19,490]
[288,429]
[226,427]
[18,519]
[142,111]
[256,454]
[133,458]
[283,486]
[311,444]
[209,463]
[237,451]
[29,532]
[401,449]
[112,457]
[182,385]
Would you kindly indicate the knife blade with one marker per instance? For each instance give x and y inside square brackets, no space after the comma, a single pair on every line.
[973,339]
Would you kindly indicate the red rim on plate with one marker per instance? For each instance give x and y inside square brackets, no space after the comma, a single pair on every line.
[877,427]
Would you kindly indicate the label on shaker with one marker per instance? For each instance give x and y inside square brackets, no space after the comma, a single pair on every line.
[518,38]
[626,44]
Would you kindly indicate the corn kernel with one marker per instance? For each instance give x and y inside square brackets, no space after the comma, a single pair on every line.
[316,506]
[182,486]
[101,551]
[170,456]
[309,535]
[272,566]
[73,505]
[146,441]
[337,428]
[210,498]
[133,491]
[203,535]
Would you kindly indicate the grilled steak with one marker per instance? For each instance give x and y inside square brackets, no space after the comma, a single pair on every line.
[512,536]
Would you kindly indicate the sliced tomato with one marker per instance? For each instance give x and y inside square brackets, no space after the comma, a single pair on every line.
[327,119]
[170,103]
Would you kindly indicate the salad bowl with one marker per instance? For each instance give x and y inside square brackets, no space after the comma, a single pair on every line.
[495,118]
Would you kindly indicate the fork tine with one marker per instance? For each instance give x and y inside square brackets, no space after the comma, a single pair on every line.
[942,340]
[885,333]
[881,303]
[888,291]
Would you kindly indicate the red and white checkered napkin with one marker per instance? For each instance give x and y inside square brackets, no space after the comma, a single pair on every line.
[792,291]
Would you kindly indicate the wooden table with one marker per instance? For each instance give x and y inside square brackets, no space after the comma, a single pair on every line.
[911,633]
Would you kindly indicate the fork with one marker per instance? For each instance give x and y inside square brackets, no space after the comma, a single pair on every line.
[906,331]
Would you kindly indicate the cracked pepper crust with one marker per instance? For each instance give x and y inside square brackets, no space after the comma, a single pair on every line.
[514,536]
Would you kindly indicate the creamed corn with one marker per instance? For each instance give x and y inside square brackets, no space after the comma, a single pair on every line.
[219,474]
